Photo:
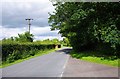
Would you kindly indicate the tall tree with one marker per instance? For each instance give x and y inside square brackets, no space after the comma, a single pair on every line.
[87,24]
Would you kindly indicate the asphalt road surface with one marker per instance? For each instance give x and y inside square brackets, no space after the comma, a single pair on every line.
[80,68]
[59,64]
[50,65]
[0,73]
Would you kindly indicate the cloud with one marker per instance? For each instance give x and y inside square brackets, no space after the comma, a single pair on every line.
[0,13]
[39,33]
[9,32]
[46,37]
[15,13]
[41,1]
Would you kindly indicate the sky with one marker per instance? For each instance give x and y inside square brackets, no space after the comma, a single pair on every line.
[14,13]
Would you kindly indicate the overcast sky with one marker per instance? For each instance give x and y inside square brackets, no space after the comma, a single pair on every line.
[15,12]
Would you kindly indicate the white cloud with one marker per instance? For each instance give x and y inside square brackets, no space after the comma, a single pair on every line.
[41,30]
[14,13]
[47,37]
[9,32]
[0,32]
[39,33]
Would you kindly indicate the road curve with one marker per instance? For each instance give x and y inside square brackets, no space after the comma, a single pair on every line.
[50,65]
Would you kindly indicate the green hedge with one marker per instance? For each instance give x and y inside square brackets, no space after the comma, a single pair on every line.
[15,51]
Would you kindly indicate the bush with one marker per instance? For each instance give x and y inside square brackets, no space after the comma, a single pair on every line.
[15,51]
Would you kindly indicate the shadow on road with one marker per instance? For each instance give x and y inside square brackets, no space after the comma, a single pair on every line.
[65,50]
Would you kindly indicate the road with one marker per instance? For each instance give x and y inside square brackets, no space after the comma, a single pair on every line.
[50,65]
[81,68]
[59,64]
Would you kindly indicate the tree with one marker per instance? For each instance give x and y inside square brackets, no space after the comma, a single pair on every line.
[26,37]
[55,41]
[11,39]
[87,25]
[65,42]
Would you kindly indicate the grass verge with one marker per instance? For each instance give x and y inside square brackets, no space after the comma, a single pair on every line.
[91,57]
[40,53]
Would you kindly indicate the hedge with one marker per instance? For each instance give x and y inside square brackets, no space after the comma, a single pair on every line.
[15,51]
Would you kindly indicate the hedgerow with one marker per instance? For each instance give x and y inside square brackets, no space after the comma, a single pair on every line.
[15,51]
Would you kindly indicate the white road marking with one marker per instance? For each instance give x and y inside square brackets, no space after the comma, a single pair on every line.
[65,66]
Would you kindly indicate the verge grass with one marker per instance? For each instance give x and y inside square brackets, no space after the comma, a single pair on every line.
[90,57]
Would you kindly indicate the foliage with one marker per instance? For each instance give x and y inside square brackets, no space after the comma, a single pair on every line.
[55,41]
[48,41]
[15,51]
[88,26]
[39,53]
[25,37]
[65,42]
[22,47]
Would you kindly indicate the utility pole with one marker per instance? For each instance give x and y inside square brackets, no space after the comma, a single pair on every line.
[29,19]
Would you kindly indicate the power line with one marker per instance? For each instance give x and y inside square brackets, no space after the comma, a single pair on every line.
[29,24]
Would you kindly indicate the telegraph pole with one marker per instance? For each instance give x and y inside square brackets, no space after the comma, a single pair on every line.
[29,24]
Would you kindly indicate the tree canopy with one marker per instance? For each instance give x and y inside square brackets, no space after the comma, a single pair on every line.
[88,24]
[25,37]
